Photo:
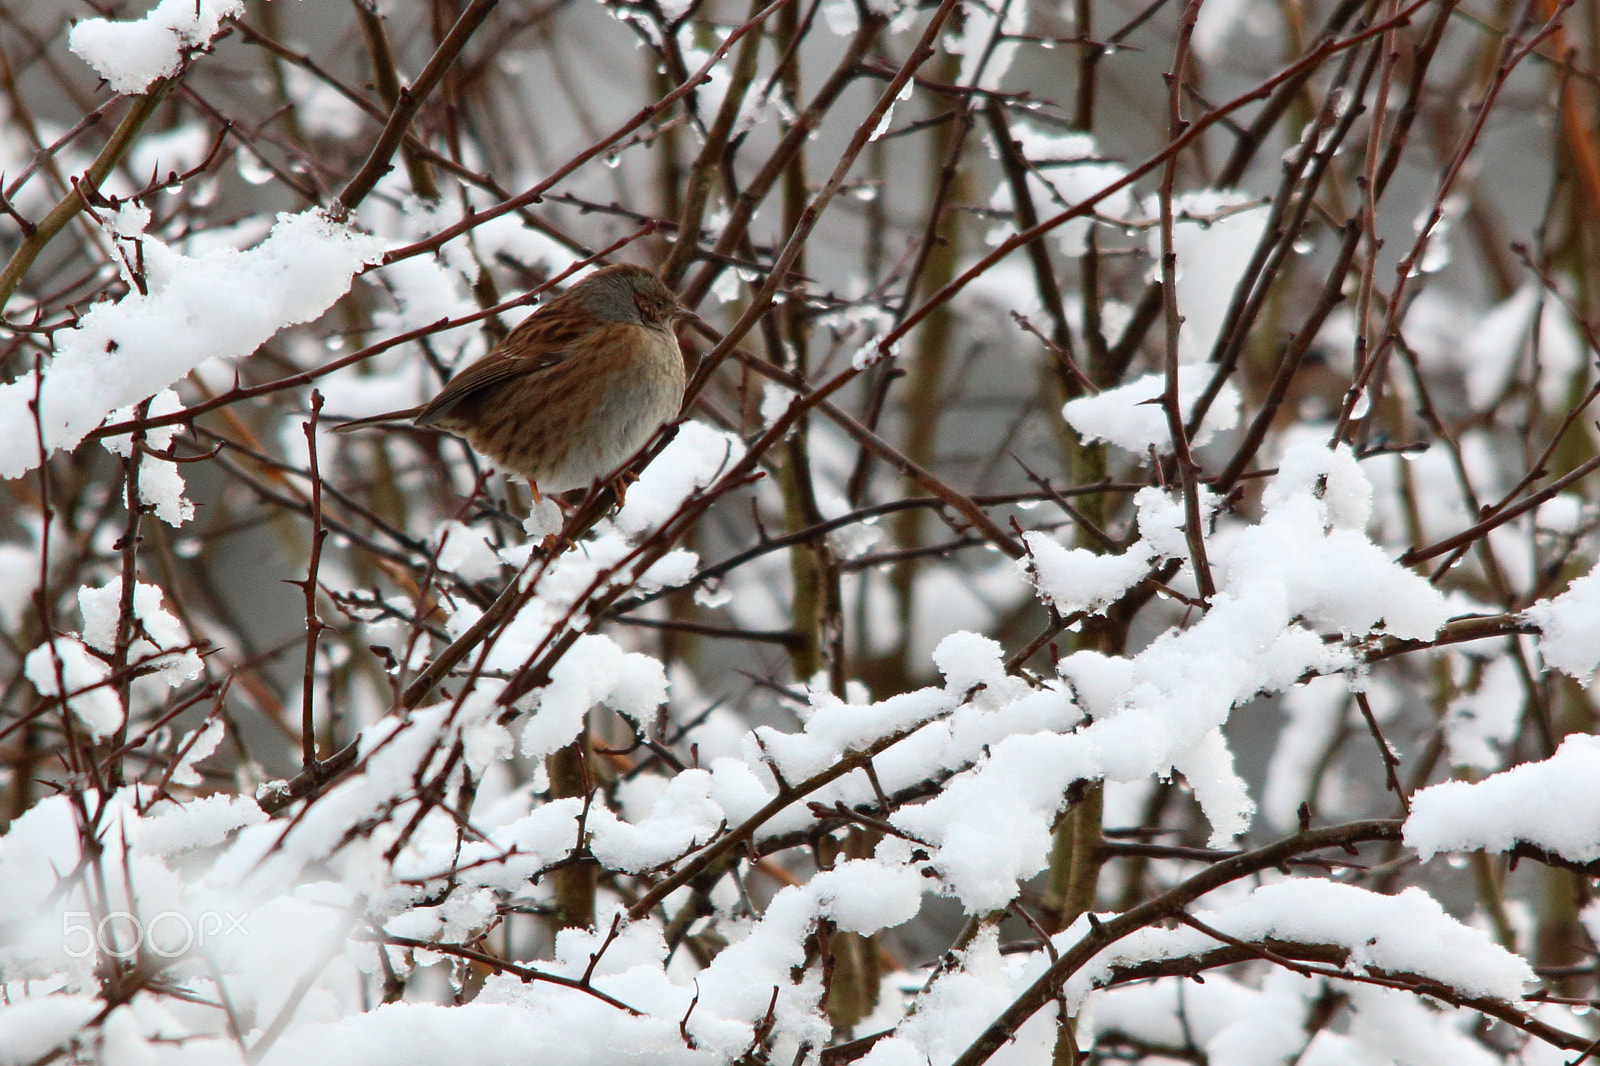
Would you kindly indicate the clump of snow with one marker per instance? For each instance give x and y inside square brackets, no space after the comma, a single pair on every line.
[1130,416]
[1312,537]
[33,1028]
[683,817]
[544,518]
[102,608]
[886,122]
[959,1005]
[755,975]
[1306,563]
[561,584]
[843,17]
[1077,579]
[1569,628]
[986,44]
[195,745]
[19,575]
[54,929]
[1162,709]
[1553,804]
[990,826]
[973,663]
[500,1025]
[1409,933]
[1395,1025]
[200,823]
[1230,1021]
[594,670]
[1561,515]
[221,303]
[671,570]
[160,484]
[775,402]
[82,680]
[696,457]
[867,895]
[131,56]
[872,353]
[1162,518]
[834,728]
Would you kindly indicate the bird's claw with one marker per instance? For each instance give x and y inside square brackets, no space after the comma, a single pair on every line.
[619,486]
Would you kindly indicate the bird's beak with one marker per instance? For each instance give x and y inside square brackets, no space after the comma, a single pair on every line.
[692,320]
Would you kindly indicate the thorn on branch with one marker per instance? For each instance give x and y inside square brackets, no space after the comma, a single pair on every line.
[683,1024]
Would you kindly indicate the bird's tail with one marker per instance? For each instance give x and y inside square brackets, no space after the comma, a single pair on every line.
[407,415]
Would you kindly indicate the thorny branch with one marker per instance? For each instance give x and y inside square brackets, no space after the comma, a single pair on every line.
[815,179]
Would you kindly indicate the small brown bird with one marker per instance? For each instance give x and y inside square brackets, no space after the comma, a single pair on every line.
[571,393]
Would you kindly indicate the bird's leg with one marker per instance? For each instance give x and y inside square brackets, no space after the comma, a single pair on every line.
[619,485]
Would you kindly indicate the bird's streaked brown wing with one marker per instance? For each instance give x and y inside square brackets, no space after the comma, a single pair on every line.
[539,342]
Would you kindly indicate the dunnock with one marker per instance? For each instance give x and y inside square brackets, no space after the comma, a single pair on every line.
[578,387]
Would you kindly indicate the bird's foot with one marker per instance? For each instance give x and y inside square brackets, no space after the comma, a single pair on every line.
[619,485]
[556,544]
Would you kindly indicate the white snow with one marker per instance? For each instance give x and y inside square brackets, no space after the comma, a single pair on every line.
[101,609]
[1130,416]
[84,679]
[594,670]
[131,56]
[195,745]
[160,484]
[267,930]
[683,817]
[223,303]
[1409,933]
[1569,627]
[33,1028]
[467,551]
[201,823]
[1553,804]
[1077,579]
[1480,721]
[696,457]
[985,61]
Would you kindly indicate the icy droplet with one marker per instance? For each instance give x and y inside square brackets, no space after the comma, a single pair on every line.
[252,170]
[712,594]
